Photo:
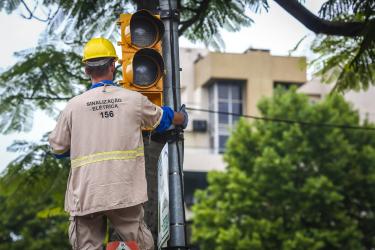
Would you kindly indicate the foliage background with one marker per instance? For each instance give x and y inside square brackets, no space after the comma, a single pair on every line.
[49,74]
[289,186]
[32,199]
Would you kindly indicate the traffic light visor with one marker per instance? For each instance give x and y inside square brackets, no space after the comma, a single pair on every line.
[145,29]
[148,67]
[142,61]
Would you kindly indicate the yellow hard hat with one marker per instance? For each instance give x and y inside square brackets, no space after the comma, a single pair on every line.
[97,48]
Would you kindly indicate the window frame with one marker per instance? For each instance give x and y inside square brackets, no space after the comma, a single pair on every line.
[219,129]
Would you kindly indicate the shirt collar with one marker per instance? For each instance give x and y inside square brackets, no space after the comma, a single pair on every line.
[101,83]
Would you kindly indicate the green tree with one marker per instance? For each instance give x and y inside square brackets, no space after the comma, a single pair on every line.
[290,186]
[31,200]
[345,42]
[51,73]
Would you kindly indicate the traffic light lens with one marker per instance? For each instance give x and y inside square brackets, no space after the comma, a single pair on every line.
[146,70]
[144,32]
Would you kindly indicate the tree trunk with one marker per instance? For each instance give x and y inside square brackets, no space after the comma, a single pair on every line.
[152,153]
[319,25]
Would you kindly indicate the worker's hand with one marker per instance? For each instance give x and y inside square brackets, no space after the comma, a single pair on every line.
[180,118]
[186,116]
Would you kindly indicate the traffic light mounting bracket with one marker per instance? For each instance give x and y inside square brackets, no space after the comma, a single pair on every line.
[170,14]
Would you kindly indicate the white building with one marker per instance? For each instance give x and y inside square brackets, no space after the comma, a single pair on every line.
[363,101]
[234,83]
[225,82]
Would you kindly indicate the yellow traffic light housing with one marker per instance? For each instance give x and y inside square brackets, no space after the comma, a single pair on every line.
[142,62]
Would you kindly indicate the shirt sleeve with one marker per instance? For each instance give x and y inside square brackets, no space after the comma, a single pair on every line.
[166,120]
[151,114]
[59,139]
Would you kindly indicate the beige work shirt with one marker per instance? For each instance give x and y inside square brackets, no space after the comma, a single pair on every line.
[102,128]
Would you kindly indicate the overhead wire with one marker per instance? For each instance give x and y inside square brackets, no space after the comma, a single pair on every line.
[288,121]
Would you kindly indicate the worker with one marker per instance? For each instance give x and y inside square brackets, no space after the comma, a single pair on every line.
[101,131]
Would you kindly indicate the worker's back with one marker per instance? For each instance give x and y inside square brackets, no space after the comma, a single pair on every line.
[107,159]
[105,120]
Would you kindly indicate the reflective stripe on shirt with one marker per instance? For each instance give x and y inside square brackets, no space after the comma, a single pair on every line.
[107,156]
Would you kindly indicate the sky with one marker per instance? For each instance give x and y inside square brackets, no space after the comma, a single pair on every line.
[275,30]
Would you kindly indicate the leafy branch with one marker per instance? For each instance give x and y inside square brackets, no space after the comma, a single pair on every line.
[31,13]
[39,81]
[322,26]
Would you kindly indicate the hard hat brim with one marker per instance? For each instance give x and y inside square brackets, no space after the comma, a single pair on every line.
[96,63]
[98,48]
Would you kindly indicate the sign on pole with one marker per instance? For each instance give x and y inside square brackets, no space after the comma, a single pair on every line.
[163,198]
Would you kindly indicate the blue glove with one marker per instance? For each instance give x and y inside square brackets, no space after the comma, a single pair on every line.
[186,116]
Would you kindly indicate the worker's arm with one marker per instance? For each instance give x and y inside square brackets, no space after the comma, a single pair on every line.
[170,118]
[59,139]
[161,119]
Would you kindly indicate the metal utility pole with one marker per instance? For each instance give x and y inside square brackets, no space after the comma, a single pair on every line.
[172,98]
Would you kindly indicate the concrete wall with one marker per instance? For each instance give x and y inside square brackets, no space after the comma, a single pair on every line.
[363,101]
[286,68]
[198,156]
[189,94]
[258,68]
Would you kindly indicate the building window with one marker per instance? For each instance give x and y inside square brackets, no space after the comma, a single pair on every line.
[286,85]
[192,182]
[225,96]
[314,98]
